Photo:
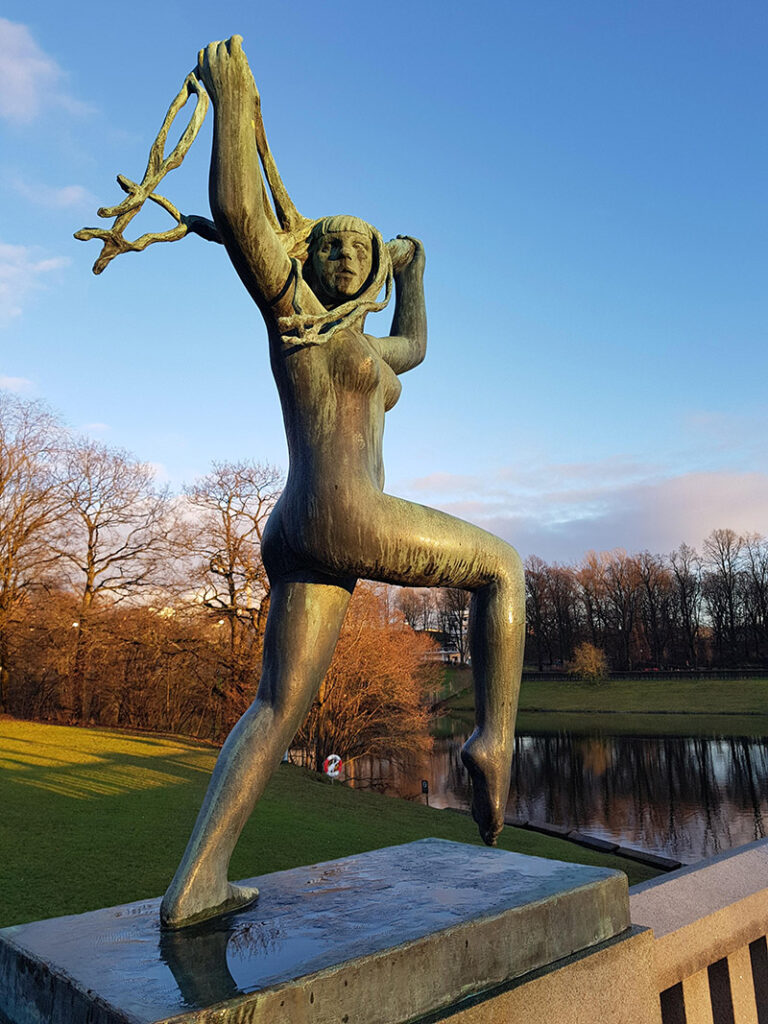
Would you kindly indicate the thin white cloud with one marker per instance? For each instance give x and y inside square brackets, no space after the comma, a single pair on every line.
[159,472]
[55,198]
[446,483]
[558,491]
[95,428]
[735,435]
[655,510]
[32,81]
[19,385]
[22,270]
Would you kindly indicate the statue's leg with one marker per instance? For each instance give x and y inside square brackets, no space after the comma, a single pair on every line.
[496,643]
[411,545]
[302,629]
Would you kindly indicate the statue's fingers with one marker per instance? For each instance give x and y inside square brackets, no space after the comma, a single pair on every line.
[236,43]
[204,57]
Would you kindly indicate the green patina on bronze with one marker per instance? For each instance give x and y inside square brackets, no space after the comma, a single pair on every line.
[314,282]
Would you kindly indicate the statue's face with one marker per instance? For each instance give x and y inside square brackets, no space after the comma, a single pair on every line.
[341,263]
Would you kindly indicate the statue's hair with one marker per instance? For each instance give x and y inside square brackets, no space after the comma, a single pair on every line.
[339,222]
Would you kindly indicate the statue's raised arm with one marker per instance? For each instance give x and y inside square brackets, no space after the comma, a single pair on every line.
[239,203]
[407,344]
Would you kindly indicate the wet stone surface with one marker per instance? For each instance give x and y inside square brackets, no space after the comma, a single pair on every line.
[381,936]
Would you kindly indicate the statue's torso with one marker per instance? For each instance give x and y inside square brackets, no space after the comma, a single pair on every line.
[334,397]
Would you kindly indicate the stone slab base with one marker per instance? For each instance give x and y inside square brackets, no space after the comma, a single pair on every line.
[377,938]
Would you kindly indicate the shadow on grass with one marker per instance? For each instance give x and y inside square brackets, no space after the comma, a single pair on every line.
[98,764]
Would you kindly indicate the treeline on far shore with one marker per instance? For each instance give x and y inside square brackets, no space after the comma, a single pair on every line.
[689,613]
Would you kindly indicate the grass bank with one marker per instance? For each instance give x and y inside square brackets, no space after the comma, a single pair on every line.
[93,818]
[656,706]
[636,724]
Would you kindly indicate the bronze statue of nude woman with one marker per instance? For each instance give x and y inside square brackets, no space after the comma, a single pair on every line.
[314,283]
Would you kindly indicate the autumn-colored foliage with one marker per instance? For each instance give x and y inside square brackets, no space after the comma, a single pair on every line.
[371,703]
[139,667]
[589,662]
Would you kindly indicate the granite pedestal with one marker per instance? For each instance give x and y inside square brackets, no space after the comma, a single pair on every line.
[380,937]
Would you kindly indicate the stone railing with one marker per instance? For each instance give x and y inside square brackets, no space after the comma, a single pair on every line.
[709,926]
[696,954]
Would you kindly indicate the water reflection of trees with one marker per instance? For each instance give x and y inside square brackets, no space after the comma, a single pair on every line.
[689,796]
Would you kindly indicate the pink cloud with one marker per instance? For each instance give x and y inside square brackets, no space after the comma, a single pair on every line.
[657,513]
[448,483]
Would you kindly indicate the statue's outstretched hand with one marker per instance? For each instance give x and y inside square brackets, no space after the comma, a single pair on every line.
[223,69]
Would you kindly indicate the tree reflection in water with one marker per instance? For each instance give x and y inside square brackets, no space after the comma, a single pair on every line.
[687,797]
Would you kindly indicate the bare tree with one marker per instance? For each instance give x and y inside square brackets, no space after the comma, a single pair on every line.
[30,502]
[223,522]
[755,597]
[538,611]
[562,588]
[113,534]
[591,578]
[656,605]
[686,571]
[722,572]
[418,607]
[409,605]
[623,592]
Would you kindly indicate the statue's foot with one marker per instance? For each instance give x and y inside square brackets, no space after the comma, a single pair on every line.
[182,910]
[489,770]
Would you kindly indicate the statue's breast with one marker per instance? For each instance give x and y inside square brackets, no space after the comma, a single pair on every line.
[392,386]
[356,366]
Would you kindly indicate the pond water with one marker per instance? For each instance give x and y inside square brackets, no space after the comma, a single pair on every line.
[685,797]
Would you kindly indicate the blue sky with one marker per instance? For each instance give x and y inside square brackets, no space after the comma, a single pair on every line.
[589,182]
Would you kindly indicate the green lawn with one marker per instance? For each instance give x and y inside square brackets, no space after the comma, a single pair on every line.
[93,817]
[636,724]
[702,706]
